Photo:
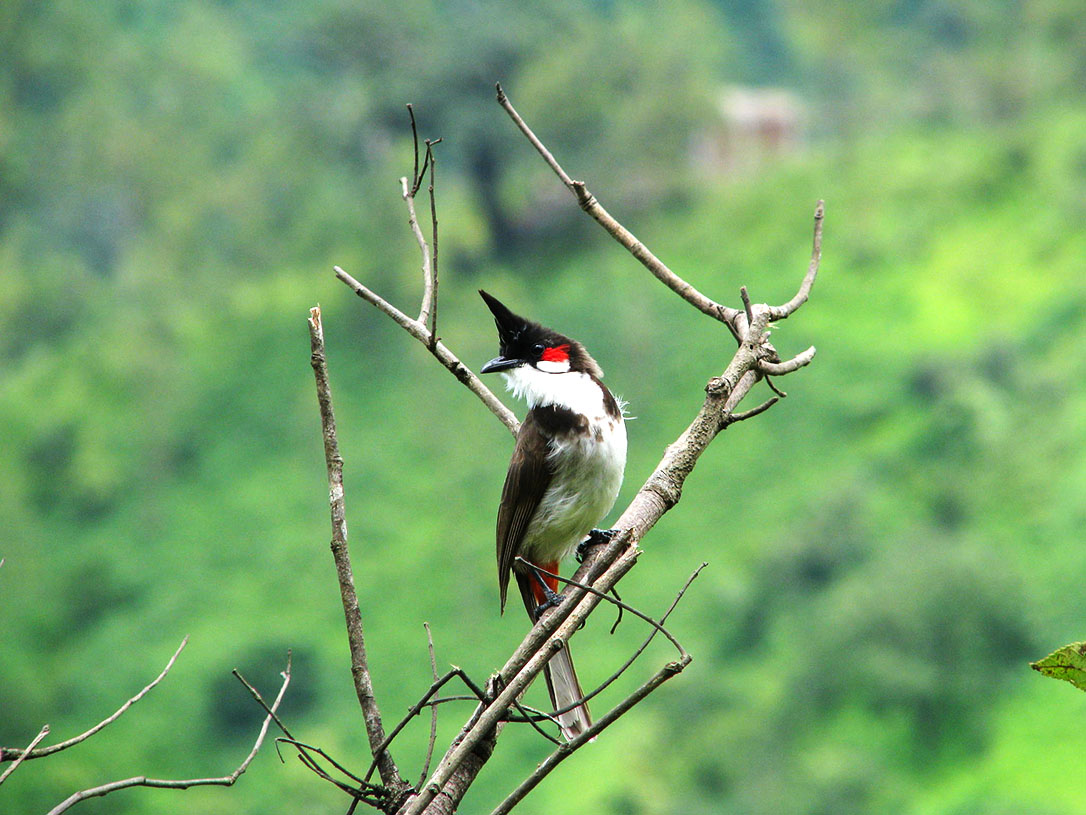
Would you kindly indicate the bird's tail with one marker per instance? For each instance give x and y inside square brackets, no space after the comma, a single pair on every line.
[565,690]
[562,683]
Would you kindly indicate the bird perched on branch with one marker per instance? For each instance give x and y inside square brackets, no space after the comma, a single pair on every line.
[563,478]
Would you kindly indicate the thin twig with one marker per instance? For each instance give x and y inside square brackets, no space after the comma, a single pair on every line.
[633,657]
[29,749]
[373,795]
[567,749]
[307,760]
[534,720]
[592,206]
[363,684]
[415,709]
[789,365]
[440,351]
[773,387]
[415,142]
[732,418]
[303,746]
[433,222]
[7,753]
[609,599]
[781,312]
[424,249]
[260,700]
[746,304]
[143,781]
[433,709]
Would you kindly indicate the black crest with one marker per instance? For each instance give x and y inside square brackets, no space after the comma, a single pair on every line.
[524,339]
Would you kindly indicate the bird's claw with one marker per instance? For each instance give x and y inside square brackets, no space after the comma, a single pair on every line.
[553,600]
[595,538]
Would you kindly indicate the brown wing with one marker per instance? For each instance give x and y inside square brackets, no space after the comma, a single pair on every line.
[529,475]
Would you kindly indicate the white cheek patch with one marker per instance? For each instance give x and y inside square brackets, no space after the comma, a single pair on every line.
[553,367]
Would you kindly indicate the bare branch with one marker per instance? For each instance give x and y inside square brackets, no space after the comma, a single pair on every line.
[424,249]
[415,142]
[304,756]
[548,636]
[143,781]
[639,614]
[781,312]
[732,418]
[633,657]
[433,223]
[439,350]
[7,753]
[29,749]
[363,684]
[589,204]
[788,366]
[416,708]
[433,708]
[260,699]
[746,304]
[566,750]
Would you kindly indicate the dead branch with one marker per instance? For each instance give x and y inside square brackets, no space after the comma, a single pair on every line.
[143,781]
[7,753]
[788,366]
[657,628]
[438,349]
[355,637]
[564,751]
[29,749]
[433,224]
[592,206]
[782,312]
[424,249]
[424,329]
[433,709]
[613,600]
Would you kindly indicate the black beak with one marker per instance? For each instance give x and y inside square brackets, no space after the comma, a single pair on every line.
[499,364]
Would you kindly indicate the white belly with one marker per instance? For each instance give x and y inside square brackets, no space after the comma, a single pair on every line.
[588,475]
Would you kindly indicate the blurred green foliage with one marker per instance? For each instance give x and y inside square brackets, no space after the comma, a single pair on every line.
[888,547]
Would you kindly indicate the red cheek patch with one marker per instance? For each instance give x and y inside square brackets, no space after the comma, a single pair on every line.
[557,354]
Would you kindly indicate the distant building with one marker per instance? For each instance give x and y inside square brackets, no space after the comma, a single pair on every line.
[753,125]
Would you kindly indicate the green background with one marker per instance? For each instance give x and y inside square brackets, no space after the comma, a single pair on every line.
[888,547]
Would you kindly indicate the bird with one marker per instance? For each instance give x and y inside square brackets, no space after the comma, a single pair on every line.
[563,478]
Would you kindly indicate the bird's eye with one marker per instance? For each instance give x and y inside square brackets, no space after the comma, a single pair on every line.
[538,349]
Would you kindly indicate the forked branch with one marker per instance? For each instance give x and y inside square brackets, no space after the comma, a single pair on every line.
[180,784]
[589,203]
[7,753]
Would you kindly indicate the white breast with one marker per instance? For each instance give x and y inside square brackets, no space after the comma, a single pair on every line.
[588,466]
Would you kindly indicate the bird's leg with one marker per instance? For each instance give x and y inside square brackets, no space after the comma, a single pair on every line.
[546,596]
[595,538]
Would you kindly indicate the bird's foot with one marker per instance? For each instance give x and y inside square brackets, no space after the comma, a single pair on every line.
[595,538]
[552,600]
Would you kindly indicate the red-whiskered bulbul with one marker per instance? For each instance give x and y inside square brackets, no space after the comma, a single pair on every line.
[563,478]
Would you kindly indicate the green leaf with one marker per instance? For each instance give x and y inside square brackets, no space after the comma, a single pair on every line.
[1067,663]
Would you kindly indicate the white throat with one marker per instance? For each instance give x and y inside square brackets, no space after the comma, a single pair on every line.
[573,389]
